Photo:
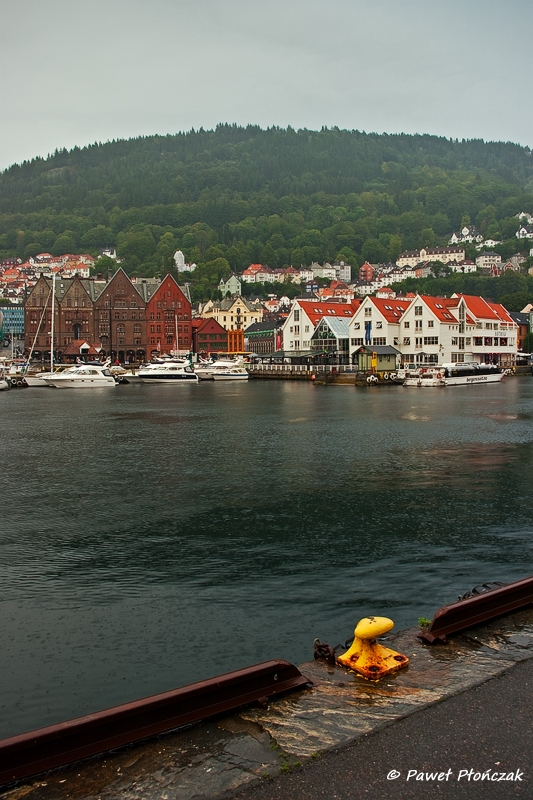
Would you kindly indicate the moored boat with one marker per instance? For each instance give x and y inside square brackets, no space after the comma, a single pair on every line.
[83,376]
[457,374]
[167,372]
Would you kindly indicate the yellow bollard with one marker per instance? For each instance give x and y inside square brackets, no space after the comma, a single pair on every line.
[366,656]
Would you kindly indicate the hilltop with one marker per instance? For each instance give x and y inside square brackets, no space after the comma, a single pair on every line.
[240,195]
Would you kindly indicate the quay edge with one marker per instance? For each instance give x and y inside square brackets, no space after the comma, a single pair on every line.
[230,752]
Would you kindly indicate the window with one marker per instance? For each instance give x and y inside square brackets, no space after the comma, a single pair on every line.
[380,340]
[357,325]
[418,311]
[418,324]
[478,341]
[431,339]
[488,341]
[296,315]
[368,312]
[407,340]
[454,341]
[306,328]
[379,324]
[488,326]
[357,342]
[431,324]
[406,324]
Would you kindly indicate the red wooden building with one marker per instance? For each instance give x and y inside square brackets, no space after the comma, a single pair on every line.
[209,337]
[168,318]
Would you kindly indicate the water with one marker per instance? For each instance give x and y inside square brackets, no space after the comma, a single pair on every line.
[151,536]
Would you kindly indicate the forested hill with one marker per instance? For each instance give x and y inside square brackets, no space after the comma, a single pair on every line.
[272,196]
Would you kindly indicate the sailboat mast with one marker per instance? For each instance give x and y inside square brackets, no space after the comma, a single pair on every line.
[53,316]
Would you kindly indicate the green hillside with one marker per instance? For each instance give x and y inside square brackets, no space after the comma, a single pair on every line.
[235,196]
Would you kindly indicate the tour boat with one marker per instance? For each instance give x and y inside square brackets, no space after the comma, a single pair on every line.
[459,374]
[466,374]
[82,376]
[167,372]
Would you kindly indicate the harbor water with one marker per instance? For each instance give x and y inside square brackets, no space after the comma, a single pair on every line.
[151,536]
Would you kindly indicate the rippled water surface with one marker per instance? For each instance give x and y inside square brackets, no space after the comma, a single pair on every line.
[151,536]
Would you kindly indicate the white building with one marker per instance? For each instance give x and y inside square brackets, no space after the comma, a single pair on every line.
[487,260]
[179,262]
[305,315]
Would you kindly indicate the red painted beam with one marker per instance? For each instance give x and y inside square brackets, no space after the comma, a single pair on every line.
[57,745]
[487,605]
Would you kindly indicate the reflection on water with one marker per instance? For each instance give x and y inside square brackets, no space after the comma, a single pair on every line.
[144,527]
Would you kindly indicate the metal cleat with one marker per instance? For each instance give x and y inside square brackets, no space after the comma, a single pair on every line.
[366,656]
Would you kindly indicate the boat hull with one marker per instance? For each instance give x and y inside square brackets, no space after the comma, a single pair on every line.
[228,376]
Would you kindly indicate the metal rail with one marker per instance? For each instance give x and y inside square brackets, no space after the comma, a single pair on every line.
[474,610]
[57,745]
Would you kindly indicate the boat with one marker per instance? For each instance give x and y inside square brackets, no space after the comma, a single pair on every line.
[167,372]
[82,376]
[458,374]
[230,374]
[467,374]
[426,379]
[206,370]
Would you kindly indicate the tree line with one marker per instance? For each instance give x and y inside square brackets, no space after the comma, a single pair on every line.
[239,195]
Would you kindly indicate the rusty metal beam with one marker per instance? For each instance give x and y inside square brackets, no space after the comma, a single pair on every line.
[487,605]
[57,745]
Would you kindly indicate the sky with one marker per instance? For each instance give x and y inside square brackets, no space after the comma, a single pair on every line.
[75,72]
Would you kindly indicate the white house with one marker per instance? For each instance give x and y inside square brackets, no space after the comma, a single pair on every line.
[377,322]
[487,260]
[460,328]
[304,317]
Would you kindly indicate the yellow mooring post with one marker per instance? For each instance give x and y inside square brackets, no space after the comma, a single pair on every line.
[366,656]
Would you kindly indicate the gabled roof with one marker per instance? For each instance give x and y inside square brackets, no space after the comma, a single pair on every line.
[316,309]
[337,325]
[441,307]
[380,349]
[392,310]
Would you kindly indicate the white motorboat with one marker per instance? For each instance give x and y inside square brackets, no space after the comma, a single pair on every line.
[206,369]
[168,372]
[230,374]
[82,376]
[426,378]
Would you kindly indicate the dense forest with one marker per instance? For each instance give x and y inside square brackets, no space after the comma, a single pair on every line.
[235,196]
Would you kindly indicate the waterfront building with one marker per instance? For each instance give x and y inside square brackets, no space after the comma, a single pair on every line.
[168,317]
[332,337]
[457,329]
[304,317]
[377,322]
[209,337]
[264,337]
[109,315]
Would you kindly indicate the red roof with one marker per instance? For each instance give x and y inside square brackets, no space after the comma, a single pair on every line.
[316,309]
[392,310]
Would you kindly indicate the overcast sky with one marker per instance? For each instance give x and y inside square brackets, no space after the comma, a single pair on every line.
[78,71]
